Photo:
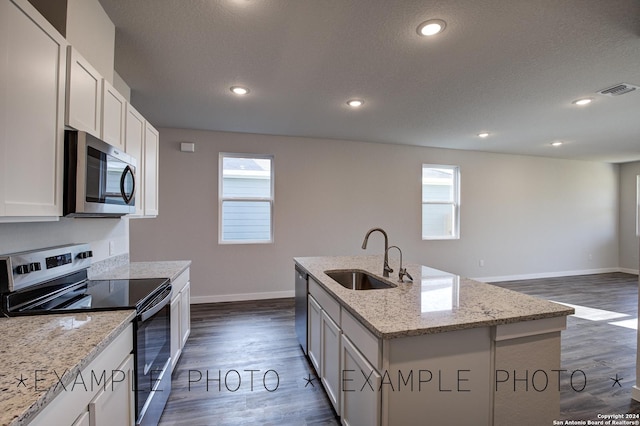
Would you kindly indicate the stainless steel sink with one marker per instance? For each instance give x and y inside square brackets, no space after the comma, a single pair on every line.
[354,279]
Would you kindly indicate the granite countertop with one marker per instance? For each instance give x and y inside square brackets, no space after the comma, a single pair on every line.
[135,270]
[434,302]
[53,345]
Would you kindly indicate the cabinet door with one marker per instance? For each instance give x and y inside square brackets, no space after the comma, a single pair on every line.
[151,148]
[330,359]
[83,420]
[114,404]
[114,112]
[176,347]
[84,95]
[185,314]
[134,145]
[361,388]
[32,87]
[314,334]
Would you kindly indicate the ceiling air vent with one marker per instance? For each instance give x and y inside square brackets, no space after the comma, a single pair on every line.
[618,89]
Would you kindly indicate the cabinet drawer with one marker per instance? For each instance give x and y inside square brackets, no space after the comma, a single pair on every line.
[363,339]
[325,300]
[179,283]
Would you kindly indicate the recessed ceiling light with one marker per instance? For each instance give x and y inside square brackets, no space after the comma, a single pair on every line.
[355,103]
[239,90]
[583,101]
[431,27]
[556,143]
[483,135]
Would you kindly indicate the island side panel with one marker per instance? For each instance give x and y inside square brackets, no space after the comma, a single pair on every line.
[442,379]
[526,390]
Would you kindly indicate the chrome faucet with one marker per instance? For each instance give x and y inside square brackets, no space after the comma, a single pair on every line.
[401,271]
[386,269]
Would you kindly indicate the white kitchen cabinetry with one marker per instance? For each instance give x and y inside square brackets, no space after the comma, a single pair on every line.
[114,404]
[324,344]
[106,398]
[180,315]
[330,359]
[83,420]
[84,95]
[32,88]
[151,148]
[185,313]
[314,332]
[142,141]
[176,348]
[361,388]
[114,112]
[134,146]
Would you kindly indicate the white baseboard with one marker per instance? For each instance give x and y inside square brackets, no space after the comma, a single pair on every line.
[241,297]
[552,274]
[629,271]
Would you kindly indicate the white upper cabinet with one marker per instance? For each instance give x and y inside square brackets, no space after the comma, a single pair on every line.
[151,148]
[114,112]
[135,126]
[84,95]
[32,88]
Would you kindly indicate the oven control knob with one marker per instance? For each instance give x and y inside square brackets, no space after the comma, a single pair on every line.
[34,266]
[22,269]
[85,254]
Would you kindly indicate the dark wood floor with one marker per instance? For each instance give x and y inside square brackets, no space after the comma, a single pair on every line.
[598,348]
[231,339]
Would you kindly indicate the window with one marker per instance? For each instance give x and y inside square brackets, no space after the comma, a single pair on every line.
[440,202]
[245,198]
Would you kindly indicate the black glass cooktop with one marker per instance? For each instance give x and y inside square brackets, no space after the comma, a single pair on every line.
[85,295]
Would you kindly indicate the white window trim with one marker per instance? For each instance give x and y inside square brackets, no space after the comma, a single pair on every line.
[221,199]
[455,203]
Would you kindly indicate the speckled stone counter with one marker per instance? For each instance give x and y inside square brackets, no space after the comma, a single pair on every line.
[44,347]
[434,302]
[135,270]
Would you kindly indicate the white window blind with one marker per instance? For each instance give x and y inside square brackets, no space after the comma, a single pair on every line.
[245,198]
[440,202]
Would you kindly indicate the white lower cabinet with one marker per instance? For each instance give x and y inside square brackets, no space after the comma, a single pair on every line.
[340,366]
[313,334]
[361,388]
[180,315]
[185,313]
[330,359]
[100,394]
[83,420]
[176,347]
[114,404]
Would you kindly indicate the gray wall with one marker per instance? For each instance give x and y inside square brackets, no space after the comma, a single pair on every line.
[629,253]
[16,237]
[524,216]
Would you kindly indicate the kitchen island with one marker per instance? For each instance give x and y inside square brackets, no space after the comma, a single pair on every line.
[442,349]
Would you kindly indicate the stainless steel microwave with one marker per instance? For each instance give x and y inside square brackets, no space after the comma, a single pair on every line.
[99,179]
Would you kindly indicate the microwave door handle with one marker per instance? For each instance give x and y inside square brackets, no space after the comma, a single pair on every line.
[127,197]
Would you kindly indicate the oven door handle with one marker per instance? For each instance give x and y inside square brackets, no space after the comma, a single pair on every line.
[157,307]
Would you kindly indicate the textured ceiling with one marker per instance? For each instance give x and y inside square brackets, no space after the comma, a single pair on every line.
[510,67]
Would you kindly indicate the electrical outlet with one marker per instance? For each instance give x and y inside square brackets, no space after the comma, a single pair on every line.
[481,263]
[112,248]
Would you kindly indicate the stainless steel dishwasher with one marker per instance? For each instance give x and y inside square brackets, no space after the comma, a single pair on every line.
[301,307]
